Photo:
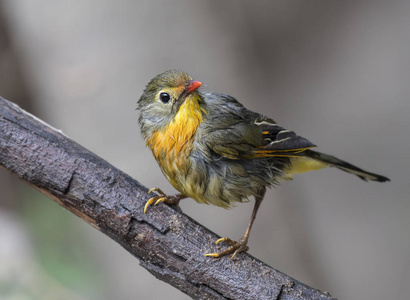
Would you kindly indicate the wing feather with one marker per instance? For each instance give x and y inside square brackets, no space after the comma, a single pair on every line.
[235,132]
[277,141]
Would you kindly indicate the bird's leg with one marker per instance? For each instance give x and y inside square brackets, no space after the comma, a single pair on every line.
[240,246]
[162,197]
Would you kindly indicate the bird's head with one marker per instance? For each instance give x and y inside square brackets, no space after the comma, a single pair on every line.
[163,97]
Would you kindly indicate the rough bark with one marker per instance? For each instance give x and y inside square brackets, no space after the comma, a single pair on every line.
[167,243]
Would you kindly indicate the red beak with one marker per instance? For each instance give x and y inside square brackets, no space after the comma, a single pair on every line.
[193,85]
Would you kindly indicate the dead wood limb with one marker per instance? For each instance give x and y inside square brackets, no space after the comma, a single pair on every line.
[168,243]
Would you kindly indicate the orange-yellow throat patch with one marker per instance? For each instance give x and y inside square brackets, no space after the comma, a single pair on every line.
[171,145]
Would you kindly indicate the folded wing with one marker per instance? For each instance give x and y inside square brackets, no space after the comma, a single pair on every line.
[277,141]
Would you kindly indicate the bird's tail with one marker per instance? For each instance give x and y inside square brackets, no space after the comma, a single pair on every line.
[344,166]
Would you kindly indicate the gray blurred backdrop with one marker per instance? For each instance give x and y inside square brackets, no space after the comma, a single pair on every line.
[336,72]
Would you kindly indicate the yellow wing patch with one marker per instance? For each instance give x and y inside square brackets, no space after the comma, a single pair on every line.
[280,153]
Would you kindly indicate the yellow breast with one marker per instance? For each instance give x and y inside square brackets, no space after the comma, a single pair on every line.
[172,145]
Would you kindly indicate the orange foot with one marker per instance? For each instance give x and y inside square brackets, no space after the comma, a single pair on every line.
[236,247]
[161,197]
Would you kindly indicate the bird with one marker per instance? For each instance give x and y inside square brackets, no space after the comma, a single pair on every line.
[214,150]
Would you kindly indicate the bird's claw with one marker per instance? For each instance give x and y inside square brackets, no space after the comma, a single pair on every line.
[149,202]
[162,197]
[228,240]
[236,247]
[157,199]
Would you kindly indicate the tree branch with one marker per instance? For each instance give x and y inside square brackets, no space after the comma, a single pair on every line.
[168,243]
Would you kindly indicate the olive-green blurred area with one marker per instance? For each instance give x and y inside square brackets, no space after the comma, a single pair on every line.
[44,254]
[336,72]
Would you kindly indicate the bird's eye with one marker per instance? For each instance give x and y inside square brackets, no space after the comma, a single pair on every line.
[164,97]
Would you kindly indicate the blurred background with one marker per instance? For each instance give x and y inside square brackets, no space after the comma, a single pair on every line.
[336,72]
